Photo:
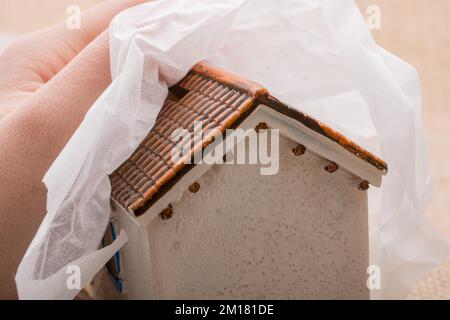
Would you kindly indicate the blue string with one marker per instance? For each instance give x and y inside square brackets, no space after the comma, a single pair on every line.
[117,280]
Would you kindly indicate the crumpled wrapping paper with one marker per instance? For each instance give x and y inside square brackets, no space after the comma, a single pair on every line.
[315,55]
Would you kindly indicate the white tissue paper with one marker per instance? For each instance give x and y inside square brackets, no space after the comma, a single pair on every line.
[315,55]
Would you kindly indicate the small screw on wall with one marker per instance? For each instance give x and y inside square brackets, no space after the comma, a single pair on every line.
[167,213]
[299,150]
[194,187]
[333,167]
[364,185]
[261,126]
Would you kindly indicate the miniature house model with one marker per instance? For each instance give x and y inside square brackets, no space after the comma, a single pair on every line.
[219,231]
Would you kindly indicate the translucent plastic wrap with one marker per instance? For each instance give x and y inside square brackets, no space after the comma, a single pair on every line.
[315,55]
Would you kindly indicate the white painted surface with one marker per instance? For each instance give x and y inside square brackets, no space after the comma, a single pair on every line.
[290,128]
[299,234]
[319,144]
[135,257]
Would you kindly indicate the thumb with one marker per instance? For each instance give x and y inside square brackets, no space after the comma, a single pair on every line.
[35,58]
[61,104]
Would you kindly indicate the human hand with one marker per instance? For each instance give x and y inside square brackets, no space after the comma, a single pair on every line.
[48,81]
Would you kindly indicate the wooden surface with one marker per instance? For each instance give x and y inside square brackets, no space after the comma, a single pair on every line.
[418,31]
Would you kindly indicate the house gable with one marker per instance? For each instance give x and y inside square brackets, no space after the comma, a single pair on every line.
[220,100]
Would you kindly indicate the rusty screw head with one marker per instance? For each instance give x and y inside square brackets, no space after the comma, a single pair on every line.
[333,167]
[194,187]
[167,213]
[299,150]
[364,185]
[228,157]
[261,126]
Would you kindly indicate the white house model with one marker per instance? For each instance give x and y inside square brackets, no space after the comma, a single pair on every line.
[221,231]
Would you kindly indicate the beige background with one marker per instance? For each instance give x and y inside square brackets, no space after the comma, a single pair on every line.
[418,31]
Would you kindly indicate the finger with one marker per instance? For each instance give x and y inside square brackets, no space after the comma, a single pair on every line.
[37,57]
[93,22]
[61,104]
[42,126]
[31,137]
[33,134]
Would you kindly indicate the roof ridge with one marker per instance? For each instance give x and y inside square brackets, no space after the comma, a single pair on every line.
[232,80]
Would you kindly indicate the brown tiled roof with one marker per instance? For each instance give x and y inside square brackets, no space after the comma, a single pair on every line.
[219,100]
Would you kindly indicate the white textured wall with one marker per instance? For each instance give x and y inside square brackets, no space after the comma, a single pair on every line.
[299,234]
